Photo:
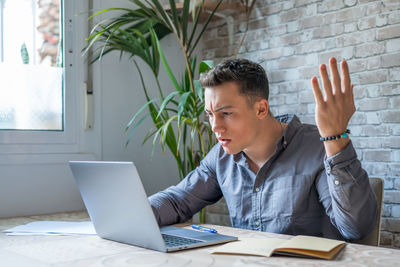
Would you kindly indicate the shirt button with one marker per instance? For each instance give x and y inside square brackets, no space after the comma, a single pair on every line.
[257,223]
[336,182]
[257,189]
[284,142]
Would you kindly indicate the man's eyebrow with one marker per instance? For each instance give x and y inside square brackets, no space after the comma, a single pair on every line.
[218,109]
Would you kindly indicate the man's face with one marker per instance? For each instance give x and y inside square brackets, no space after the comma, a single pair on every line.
[233,121]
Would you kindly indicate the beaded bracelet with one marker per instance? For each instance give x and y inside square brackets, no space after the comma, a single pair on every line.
[342,135]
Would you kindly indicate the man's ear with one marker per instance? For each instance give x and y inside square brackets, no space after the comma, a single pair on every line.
[262,108]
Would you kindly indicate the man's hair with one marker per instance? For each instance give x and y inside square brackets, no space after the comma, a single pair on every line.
[250,77]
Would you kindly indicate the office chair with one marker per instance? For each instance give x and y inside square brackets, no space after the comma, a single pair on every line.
[374,238]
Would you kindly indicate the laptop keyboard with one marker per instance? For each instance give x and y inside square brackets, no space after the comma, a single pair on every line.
[177,241]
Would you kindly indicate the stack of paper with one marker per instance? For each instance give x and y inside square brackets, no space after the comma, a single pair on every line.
[53,228]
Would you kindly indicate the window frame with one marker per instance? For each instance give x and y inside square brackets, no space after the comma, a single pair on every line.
[1,30]
[75,29]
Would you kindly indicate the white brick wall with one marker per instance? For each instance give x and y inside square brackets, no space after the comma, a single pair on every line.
[292,38]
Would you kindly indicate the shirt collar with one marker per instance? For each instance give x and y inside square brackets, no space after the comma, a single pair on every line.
[240,159]
[293,123]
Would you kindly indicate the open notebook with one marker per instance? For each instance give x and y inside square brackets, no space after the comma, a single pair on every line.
[301,246]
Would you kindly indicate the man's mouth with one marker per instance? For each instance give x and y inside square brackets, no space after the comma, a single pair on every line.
[224,141]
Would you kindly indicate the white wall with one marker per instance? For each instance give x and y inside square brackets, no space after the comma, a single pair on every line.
[34,185]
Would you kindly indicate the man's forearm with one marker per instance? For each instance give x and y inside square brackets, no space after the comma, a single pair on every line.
[349,201]
[166,209]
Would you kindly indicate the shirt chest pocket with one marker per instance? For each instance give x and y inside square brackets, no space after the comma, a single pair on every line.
[290,196]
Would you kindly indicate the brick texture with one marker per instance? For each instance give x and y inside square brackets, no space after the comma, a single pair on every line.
[291,38]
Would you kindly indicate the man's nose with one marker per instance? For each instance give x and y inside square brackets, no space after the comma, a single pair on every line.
[216,125]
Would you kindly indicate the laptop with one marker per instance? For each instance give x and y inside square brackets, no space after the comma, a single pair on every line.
[120,211]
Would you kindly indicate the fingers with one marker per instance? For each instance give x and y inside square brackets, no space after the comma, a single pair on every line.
[325,81]
[335,76]
[346,77]
[340,84]
[319,98]
[351,93]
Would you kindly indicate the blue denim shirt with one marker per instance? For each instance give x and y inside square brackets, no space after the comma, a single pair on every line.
[297,191]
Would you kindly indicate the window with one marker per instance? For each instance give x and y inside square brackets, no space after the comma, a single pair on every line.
[41,61]
[34,156]
[31,65]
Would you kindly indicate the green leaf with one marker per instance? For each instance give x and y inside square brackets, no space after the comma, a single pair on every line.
[189,153]
[185,122]
[147,11]
[114,33]
[143,42]
[166,101]
[24,54]
[138,113]
[185,15]
[179,136]
[199,89]
[144,85]
[182,104]
[161,31]
[156,52]
[105,10]
[171,110]
[193,135]
[155,140]
[174,15]
[167,67]
[164,131]
[195,16]
[162,15]
[135,127]
[149,134]
[205,66]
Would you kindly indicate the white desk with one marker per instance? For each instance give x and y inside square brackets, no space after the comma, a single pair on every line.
[86,251]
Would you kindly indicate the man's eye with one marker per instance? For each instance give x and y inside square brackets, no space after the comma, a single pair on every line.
[227,113]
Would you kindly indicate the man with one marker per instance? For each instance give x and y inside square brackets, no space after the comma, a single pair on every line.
[277,174]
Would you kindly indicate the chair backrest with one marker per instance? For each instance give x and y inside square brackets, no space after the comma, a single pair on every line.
[374,238]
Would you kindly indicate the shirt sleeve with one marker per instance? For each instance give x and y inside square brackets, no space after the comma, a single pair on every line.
[347,196]
[198,189]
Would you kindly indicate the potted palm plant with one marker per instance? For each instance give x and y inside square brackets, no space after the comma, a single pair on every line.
[137,32]
[178,121]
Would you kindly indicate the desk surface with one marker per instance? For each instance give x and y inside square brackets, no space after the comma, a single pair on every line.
[41,251]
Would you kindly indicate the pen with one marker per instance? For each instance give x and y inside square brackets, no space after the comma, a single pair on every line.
[203,228]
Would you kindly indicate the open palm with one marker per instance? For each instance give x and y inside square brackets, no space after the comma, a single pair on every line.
[334,110]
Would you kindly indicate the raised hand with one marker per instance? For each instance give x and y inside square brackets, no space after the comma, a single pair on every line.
[334,110]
